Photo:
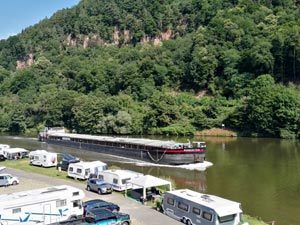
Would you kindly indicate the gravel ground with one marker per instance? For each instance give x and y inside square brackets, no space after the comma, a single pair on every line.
[140,214]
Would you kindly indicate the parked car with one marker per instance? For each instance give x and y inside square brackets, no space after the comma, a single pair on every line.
[99,204]
[104,216]
[7,179]
[66,160]
[2,157]
[98,185]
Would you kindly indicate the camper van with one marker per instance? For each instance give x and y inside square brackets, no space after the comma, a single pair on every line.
[192,207]
[42,206]
[118,178]
[83,170]
[15,153]
[43,158]
[2,147]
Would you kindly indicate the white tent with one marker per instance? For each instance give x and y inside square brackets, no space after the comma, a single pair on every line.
[148,181]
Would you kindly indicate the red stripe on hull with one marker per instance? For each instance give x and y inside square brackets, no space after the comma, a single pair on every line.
[185,151]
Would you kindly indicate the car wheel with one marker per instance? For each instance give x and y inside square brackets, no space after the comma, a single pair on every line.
[183,220]
[100,192]
[14,183]
[88,188]
[188,222]
[125,223]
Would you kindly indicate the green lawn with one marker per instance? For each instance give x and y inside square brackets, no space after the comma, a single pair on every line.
[23,164]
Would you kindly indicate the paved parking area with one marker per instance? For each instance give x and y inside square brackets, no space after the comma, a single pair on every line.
[140,214]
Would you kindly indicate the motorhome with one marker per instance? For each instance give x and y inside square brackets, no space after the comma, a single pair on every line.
[118,178]
[83,170]
[42,206]
[15,153]
[43,158]
[2,147]
[192,207]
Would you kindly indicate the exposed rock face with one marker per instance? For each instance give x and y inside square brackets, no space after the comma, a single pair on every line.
[86,41]
[21,64]
[123,37]
[116,35]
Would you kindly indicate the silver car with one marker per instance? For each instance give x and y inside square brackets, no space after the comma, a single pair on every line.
[98,185]
[7,179]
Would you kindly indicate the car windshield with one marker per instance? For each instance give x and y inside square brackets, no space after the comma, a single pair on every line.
[99,182]
[103,204]
[68,157]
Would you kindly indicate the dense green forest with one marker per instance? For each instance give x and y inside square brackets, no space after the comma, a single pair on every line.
[169,67]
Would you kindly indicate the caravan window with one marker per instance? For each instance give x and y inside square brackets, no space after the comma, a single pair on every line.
[207,216]
[79,171]
[71,169]
[16,210]
[115,181]
[226,218]
[77,203]
[196,211]
[125,180]
[170,201]
[60,203]
[183,206]
[101,177]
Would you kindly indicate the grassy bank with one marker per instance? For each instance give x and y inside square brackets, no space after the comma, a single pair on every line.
[216,132]
[23,164]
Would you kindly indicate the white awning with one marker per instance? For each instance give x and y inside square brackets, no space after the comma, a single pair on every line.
[148,181]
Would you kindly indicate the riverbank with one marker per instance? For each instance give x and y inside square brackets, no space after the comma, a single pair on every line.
[216,132]
[31,182]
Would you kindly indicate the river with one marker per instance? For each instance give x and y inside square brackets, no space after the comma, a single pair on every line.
[262,174]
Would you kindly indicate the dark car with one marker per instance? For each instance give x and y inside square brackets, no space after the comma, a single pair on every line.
[99,204]
[104,216]
[66,160]
[98,185]
[2,157]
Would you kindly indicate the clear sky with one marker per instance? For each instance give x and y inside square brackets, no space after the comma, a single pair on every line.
[16,15]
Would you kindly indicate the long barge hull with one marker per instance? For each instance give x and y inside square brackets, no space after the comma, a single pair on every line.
[151,154]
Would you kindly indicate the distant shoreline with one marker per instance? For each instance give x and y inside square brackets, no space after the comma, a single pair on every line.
[217,132]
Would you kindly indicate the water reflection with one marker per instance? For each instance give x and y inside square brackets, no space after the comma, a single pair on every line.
[262,174]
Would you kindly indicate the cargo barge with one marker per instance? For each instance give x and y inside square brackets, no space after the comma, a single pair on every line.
[148,150]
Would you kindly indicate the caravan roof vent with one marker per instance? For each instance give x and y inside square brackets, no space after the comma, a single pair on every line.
[189,193]
[206,198]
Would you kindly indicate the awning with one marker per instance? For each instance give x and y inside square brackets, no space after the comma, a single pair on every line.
[148,181]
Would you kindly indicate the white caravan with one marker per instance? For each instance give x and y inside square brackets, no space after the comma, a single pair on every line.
[118,178]
[83,170]
[192,207]
[43,158]
[2,147]
[42,206]
[15,153]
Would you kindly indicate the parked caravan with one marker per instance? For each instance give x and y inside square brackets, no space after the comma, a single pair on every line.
[192,207]
[42,206]
[83,170]
[2,147]
[118,178]
[15,153]
[43,158]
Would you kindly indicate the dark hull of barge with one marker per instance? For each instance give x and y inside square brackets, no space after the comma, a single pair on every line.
[156,156]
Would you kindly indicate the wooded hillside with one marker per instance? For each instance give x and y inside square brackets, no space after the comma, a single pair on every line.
[156,67]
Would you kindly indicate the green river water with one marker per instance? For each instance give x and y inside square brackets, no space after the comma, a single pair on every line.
[262,174]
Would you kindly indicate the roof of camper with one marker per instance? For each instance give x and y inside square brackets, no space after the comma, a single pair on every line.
[15,150]
[90,163]
[16,198]
[40,151]
[220,205]
[138,141]
[122,173]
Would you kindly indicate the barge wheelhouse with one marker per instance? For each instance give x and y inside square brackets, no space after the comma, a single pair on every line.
[155,151]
